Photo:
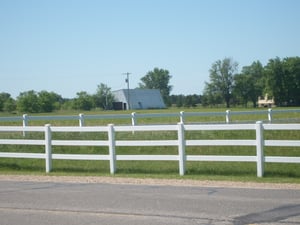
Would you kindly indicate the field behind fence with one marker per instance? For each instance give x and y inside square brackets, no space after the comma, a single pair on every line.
[161,117]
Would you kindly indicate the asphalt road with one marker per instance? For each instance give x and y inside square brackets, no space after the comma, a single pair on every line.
[36,203]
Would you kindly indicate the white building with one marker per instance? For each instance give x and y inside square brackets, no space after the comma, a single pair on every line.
[138,99]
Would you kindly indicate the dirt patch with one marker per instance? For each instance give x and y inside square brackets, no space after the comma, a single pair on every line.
[148,181]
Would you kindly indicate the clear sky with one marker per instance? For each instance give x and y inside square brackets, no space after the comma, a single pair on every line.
[68,46]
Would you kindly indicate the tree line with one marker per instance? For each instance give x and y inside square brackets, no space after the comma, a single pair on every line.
[44,101]
[280,79]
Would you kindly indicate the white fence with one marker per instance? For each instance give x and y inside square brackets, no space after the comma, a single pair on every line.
[133,117]
[181,142]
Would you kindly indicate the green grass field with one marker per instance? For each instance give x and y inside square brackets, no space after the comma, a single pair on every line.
[274,172]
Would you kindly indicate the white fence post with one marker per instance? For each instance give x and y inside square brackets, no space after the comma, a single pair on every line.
[81,119]
[259,149]
[48,148]
[181,149]
[228,116]
[112,148]
[182,117]
[270,115]
[133,119]
[25,123]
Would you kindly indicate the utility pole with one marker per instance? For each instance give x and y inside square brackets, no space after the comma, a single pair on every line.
[127,81]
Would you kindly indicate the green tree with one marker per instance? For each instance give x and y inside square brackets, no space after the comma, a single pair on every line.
[241,89]
[249,84]
[103,97]
[211,95]
[83,101]
[191,100]
[3,97]
[158,79]
[282,80]
[49,101]
[67,104]
[28,102]
[177,100]
[292,69]
[221,82]
[7,103]
[276,80]
[180,100]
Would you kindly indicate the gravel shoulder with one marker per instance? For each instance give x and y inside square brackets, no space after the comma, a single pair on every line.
[148,181]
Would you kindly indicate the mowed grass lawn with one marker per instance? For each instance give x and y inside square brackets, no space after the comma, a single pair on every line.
[241,171]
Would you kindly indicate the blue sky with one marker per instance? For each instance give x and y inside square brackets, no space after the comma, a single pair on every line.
[68,46]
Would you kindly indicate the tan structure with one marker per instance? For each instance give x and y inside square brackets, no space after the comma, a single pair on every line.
[266,102]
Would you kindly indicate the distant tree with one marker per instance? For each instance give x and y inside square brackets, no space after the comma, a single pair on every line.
[67,104]
[3,97]
[7,103]
[49,101]
[83,101]
[173,100]
[282,80]
[241,89]
[291,67]
[186,101]
[158,79]
[103,97]
[180,100]
[177,100]
[211,95]
[221,80]
[249,84]
[191,100]
[276,80]
[28,102]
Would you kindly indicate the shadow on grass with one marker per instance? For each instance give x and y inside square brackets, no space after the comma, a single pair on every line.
[282,170]
[80,167]
[221,168]
[147,168]
[30,165]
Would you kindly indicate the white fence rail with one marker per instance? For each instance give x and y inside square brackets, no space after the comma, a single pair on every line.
[133,117]
[181,142]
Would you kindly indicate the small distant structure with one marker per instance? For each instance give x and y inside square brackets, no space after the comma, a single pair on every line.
[266,102]
[138,99]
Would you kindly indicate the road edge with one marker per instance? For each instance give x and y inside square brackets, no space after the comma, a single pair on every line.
[147,181]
